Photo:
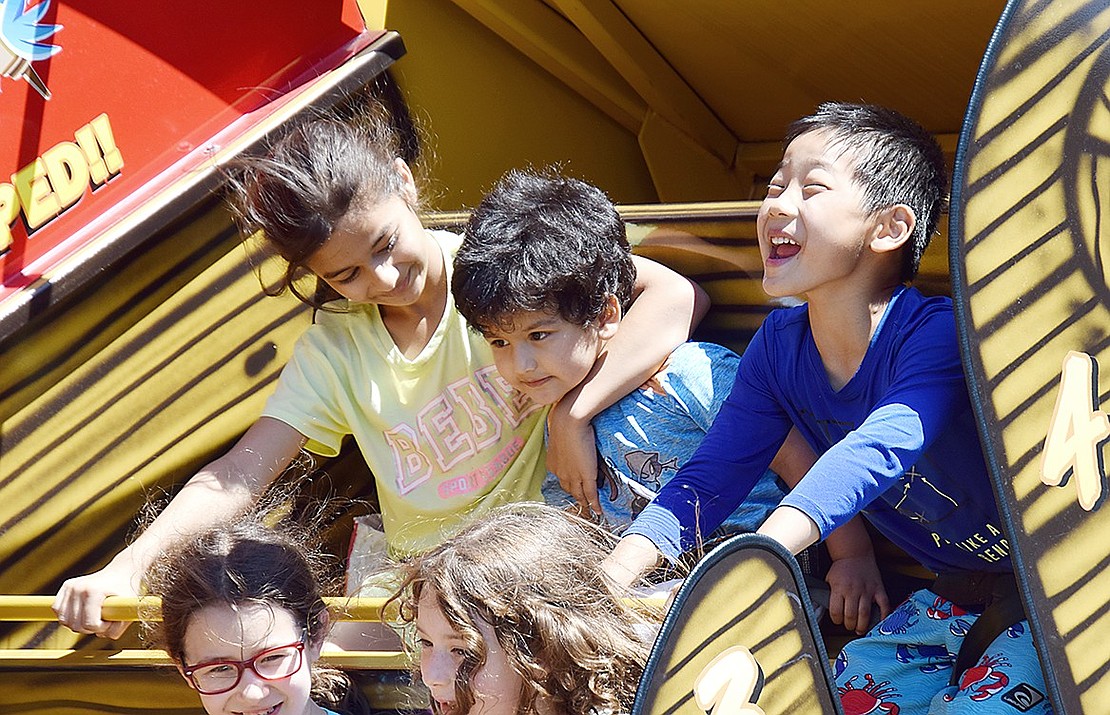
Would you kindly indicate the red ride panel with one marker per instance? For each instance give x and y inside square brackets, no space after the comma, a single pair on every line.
[137,91]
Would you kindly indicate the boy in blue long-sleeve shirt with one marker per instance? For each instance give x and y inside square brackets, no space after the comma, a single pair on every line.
[869,372]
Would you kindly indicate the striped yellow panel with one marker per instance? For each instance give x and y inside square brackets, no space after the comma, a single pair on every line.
[740,638]
[124,394]
[1029,269]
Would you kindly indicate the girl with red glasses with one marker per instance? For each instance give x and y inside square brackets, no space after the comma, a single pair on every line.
[243,619]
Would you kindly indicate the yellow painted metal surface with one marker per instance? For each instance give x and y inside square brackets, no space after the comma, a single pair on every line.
[739,639]
[655,101]
[1033,284]
[485,109]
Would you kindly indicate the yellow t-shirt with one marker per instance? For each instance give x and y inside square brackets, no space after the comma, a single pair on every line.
[445,436]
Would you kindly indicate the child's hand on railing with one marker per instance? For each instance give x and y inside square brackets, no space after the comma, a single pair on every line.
[80,600]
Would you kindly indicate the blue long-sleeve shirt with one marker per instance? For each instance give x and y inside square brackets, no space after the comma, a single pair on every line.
[898,442]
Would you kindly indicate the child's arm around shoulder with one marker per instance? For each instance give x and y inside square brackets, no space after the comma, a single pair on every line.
[224,488]
[666,308]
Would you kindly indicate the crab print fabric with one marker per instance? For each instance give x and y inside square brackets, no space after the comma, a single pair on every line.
[923,635]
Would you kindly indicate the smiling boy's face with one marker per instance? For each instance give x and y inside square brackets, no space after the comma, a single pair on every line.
[812,226]
[544,356]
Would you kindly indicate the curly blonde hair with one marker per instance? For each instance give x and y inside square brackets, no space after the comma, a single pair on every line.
[532,572]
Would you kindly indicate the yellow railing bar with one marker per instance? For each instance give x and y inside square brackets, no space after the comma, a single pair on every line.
[635,213]
[134,657]
[120,608]
[29,609]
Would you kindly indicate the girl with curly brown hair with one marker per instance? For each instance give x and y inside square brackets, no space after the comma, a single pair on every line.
[513,616]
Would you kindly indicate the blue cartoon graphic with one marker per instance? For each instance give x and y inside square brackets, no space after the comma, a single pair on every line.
[901,621]
[936,657]
[649,467]
[22,42]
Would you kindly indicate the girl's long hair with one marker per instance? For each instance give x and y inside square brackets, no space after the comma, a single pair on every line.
[304,184]
[532,572]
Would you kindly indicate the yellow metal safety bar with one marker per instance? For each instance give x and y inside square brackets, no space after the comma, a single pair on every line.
[118,608]
[634,213]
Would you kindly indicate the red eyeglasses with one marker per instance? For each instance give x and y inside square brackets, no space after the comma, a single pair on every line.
[220,676]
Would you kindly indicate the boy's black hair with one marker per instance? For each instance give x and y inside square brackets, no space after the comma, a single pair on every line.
[542,243]
[896,161]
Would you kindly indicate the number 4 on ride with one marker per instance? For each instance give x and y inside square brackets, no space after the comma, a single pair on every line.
[1073,447]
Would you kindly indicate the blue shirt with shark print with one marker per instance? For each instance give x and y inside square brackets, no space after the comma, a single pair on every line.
[645,438]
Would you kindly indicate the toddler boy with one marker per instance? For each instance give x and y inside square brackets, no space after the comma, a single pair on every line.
[544,273]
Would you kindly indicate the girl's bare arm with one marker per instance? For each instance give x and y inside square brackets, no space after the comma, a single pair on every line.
[224,488]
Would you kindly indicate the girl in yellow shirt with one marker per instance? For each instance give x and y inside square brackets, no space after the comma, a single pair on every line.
[390,362]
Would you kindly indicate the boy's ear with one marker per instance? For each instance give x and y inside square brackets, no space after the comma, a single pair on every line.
[610,318]
[408,183]
[895,226]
